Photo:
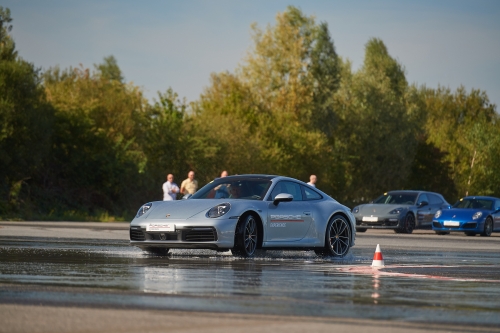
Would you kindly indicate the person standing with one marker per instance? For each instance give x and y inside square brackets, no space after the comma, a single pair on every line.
[312,180]
[222,191]
[170,189]
[189,185]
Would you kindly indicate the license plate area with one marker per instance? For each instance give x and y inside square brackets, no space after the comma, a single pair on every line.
[451,223]
[370,219]
[165,227]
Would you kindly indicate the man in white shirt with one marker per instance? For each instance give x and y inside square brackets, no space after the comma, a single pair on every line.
[170,189]
[312,180]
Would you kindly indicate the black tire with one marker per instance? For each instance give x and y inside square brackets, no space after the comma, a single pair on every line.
[488,228]
[337,238]
[360,229]
[408,225]
[157,251]
[246,237]
[468,233]
[441,233]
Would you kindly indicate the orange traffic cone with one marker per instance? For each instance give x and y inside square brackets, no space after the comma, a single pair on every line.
[378,260]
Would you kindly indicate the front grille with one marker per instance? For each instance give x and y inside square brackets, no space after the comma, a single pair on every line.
[200,235]
[196,234]
[161,236]
[136,234]
[469,225]
[380,223]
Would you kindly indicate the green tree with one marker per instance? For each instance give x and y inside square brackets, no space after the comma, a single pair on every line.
[110,70]
[379,124]
[464,126]
[97,160]
[25,122]
[291,75]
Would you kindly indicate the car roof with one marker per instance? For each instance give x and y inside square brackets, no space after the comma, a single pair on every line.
[250,176]
[273,178]
[480,197]
[409,191]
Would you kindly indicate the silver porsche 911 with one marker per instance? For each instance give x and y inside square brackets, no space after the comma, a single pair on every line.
[244,213]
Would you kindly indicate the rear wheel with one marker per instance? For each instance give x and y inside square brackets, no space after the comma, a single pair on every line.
[470,233]
[246,237]
[337,238]
[157,251]
[488,228]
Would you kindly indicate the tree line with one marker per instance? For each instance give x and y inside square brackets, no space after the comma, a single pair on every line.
[82,143]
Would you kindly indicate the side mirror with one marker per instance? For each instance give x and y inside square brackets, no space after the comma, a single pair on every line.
[497,209]
[187,196]
[282,197]
[423,203]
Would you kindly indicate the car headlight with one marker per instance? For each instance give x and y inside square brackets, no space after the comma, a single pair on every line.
[219,210]
[355,210]
[396,211]
[144,208]
[438,214]
[477,215]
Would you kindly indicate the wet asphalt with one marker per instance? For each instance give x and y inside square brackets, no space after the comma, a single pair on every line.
[451,279]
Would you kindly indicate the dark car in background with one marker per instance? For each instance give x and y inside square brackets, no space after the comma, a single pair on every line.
[471,215]
[403,211]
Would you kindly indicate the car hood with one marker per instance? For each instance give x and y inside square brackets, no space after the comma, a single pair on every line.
[378,209]
[461,213]
[182,209]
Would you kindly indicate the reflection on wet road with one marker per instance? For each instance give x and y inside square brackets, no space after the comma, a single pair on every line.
[111,273]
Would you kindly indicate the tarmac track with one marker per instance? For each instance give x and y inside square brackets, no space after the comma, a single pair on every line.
[55,274]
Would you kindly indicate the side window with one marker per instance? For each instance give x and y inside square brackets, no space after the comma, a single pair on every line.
[422,197]
[287,187]
[434,199]
[310,194]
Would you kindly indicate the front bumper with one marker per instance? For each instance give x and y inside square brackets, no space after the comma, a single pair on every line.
[463,226]
[384,222]
[213,234]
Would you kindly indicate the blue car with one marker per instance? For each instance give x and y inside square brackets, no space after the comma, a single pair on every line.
[472,215]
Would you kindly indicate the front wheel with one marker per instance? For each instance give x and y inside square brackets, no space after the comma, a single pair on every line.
[337,238]
[488,228]
[246,237]
[408,225]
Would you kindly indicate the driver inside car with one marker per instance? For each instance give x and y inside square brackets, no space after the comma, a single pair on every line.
[234,192]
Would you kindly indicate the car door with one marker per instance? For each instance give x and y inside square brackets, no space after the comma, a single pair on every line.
[287,221]
[435,204]
[424,212]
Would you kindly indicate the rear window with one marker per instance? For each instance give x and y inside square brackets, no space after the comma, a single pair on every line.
[311,194]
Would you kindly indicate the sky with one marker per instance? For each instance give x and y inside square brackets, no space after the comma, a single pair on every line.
[178,44]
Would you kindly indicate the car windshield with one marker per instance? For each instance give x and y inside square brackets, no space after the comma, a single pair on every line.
[239,188]
[474,204]
[397,199]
